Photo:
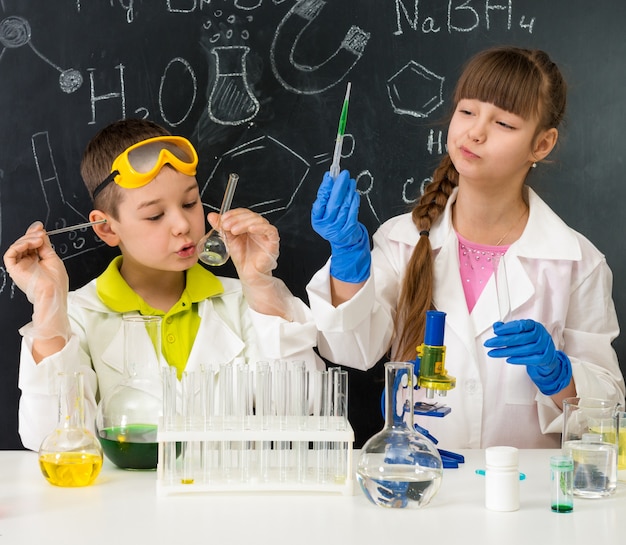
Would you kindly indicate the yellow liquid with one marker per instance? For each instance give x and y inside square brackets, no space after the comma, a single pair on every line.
[609,437]
[70,468]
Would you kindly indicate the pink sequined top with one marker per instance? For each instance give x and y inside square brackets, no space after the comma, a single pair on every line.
[477,263]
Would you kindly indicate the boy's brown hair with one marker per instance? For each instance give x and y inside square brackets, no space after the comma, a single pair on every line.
[102,150]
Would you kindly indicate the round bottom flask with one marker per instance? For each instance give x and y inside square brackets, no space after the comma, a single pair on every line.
[70,455]
[128,416]
[398,466]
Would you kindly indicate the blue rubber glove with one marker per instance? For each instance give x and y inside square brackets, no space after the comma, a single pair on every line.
[526,342]
[334,216]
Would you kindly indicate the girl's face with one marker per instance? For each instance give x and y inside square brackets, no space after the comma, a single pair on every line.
[160,223]
[490,145]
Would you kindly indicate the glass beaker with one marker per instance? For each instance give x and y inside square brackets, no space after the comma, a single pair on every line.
[70,455]
[398,466]
[128,416]
[590,437]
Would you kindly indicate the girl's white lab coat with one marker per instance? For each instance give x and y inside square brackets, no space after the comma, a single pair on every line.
[555,276]
[228,331]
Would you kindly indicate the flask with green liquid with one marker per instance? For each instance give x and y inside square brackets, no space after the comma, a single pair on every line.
[128,416]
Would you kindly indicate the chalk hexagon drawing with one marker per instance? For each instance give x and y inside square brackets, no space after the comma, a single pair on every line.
[414,90]
[245,160]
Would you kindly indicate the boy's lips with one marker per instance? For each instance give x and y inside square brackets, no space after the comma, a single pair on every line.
[187,250]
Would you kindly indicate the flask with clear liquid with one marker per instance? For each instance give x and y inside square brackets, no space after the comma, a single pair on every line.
[70,456]
[595,465]
[398,467]
[128,416]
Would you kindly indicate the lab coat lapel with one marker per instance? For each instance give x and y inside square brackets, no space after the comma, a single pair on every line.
[515,289]
[448,293]
[215,342]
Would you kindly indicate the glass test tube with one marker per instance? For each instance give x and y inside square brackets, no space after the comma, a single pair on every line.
[279,392]
[188,388]
[207,407]
[263,412]
[169,422]
[297,410]
[226,413]
[243,414]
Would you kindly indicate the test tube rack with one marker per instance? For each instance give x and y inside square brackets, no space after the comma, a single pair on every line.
[211,439]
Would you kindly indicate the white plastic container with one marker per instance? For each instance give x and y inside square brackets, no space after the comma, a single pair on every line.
[502,479]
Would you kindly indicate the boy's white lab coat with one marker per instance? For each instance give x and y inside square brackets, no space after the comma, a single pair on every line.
[554,276]
[229,331]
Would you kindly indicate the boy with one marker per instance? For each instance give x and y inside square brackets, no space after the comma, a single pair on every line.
[142,182]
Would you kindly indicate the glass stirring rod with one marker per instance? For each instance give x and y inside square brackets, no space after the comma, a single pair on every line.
[74,227]
[212,248]
[334,167]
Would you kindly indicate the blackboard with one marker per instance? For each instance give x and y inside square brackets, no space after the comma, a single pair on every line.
[257,85]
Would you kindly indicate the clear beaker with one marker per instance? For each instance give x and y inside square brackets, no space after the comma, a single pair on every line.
[70,455]
[590,437]
[128,416]
[398,466]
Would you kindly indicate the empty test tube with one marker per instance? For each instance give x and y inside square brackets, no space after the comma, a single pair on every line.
[188,388]
[263,407]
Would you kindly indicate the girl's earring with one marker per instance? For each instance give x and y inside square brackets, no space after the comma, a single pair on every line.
[534,165]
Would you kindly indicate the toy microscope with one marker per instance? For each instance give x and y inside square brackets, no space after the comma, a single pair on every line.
[430,370]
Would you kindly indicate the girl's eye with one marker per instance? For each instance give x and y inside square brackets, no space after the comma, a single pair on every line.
[505,125]
[190,204]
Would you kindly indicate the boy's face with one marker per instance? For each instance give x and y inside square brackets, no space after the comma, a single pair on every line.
[161,222]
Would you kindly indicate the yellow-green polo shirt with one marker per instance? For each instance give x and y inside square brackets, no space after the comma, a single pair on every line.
[180,324]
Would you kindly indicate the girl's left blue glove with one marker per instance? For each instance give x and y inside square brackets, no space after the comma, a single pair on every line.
[526,342]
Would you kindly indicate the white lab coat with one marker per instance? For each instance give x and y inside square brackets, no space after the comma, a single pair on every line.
[229,331]
[555,276]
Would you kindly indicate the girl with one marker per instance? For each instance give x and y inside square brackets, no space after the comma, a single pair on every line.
[475,218]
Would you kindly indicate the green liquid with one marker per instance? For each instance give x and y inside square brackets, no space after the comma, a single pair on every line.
[131,447]
[562,508]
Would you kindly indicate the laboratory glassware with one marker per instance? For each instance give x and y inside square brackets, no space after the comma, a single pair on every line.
[71,455]
[128,416]
[212,248]
[590,437]
[399,467]
[562,480]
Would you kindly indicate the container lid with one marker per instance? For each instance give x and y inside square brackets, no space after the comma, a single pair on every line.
[502,456]
[565,463]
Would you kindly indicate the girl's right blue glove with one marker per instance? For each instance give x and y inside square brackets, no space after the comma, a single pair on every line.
[334,216]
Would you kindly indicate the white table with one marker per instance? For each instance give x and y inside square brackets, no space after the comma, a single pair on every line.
[123,507]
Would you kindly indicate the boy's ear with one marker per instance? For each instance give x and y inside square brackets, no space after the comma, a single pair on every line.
[104,230]
[545,144]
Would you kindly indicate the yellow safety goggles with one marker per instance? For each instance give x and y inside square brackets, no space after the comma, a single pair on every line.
[141,162]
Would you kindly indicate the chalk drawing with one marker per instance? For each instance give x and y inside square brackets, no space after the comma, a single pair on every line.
[231,101]
[15,32]
[296,77]
[67,244]
[244,160]
[414,90]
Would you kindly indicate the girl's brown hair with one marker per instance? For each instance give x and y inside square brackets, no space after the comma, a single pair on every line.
[524,82]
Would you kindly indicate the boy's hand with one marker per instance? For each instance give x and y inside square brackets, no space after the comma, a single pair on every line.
[35,267]
[252,241]
[39,272]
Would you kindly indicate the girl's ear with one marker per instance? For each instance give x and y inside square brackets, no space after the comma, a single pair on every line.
[104,230]
[545,144]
